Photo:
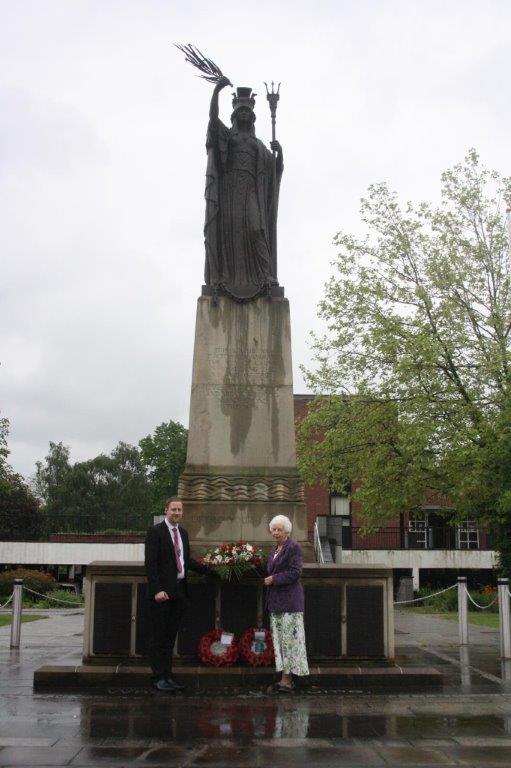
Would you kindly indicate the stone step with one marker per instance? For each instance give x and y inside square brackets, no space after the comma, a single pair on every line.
[201,678]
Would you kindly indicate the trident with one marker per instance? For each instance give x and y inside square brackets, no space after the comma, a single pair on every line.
[273,96]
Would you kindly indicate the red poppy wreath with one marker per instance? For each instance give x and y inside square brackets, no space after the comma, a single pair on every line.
[256,648]
[216,653]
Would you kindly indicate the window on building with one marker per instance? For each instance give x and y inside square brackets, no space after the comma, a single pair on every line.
[418,532]
[340,505]
[468,535]
[339,522]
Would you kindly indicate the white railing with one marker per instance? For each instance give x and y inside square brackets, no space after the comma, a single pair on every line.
[317,545]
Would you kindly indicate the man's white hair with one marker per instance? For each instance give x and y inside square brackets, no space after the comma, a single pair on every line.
[282,520]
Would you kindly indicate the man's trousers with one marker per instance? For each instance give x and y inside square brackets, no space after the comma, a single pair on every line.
[165,618]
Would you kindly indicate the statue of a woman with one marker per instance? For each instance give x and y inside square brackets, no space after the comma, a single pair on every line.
[242,189]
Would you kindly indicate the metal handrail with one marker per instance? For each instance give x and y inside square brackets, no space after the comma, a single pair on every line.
[320,558]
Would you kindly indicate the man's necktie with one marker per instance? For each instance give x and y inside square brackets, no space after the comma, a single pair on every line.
[177,550]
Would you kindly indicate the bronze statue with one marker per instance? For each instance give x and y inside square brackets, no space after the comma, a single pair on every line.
[242,190]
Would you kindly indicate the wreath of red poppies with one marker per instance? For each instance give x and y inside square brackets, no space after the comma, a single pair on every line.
[262,658]
[206,655]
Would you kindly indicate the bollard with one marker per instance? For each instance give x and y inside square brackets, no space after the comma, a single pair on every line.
[463,610]
[17,602]
[504,619]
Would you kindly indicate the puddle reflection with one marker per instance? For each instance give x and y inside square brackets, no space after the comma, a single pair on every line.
[466,678]
[212,720]
[268,719]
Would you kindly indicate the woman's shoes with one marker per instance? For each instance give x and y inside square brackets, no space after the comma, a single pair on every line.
[280,688]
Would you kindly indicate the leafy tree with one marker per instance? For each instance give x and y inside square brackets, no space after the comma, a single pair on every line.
[415,367]
[4,452]
[103,493]
[164,453]
[50,476]
[20,513]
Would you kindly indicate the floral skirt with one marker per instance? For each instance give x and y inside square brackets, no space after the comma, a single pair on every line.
[288,637]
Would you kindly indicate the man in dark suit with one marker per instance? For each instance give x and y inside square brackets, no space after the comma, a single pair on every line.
[167,560]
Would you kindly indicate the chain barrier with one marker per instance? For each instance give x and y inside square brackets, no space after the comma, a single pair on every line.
[55,599]
[426,597]
[481,607]
[8,601]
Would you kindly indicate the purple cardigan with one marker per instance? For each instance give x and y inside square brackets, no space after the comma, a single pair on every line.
[285,595]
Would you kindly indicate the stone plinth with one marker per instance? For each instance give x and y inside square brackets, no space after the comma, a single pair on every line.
[241,461]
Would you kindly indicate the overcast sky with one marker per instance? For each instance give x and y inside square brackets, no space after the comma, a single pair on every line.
[102,161]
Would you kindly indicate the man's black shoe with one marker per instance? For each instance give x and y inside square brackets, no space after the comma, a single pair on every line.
[164,685]
[176,686]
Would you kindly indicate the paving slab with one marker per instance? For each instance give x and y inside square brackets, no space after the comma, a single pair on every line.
[466,723]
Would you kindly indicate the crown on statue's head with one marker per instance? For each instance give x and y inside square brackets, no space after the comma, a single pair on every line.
[243,98]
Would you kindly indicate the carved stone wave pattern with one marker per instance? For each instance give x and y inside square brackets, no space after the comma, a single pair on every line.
[207,488]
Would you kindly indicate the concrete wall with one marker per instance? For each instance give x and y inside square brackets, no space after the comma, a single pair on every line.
[417,559]
[57,553]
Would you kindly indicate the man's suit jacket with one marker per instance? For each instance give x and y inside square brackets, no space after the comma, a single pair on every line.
[160,560]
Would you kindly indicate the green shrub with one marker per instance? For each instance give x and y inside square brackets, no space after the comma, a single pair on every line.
[483,597]
[448,601]
[39,581]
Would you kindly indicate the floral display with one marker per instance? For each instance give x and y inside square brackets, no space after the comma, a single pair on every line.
[233,559]
[218,648]
[256,648]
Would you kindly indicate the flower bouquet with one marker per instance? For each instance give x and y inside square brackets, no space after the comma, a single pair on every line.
[232,559]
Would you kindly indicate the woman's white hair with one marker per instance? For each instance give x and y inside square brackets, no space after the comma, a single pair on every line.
[282,520]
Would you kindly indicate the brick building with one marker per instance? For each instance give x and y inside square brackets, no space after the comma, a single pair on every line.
[424,546]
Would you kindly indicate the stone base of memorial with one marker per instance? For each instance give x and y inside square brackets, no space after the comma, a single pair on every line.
[241,461]
[348,624]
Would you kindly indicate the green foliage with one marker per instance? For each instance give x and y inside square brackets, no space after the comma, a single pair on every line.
[164,454]
[39,581]
[448,601]
[115,493]
[103,492]
[414,371]
[4,452]
[5,619]
[20,513]
[50,477]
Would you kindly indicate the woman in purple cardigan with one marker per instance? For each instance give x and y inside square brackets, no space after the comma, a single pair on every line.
[284,600]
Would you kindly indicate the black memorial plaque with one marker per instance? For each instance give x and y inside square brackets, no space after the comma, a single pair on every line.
[112,618]
[238,609]
[322,619]
[198,619]
[364,620]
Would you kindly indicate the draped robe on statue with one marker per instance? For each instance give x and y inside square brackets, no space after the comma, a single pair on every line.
[241,213]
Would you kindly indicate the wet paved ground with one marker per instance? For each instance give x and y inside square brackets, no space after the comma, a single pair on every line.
[467,724]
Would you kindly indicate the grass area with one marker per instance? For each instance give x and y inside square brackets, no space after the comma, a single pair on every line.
[57,598]
[62,598]
[479,619]
[5,618]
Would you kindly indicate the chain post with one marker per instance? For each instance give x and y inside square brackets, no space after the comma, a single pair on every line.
[463,610]
[504,618]
[17,602]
